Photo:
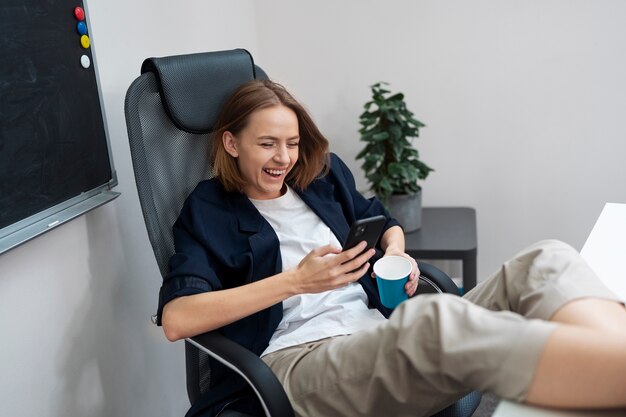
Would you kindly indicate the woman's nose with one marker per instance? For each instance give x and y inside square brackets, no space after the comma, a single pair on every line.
[282,154]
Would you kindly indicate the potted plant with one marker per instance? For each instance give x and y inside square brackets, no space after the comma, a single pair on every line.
[391,164]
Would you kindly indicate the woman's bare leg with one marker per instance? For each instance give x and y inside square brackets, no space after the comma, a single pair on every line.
[593,313]
[583,364]
[583,361]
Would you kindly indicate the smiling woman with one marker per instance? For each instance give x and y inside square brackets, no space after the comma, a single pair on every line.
[266,124]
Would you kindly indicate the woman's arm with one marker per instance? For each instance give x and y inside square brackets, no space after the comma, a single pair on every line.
[191,315]
[392,242]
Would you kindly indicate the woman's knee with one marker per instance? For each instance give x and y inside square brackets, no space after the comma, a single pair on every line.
[543,259]
[548,246]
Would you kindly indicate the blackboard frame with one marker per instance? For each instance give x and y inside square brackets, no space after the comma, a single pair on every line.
[36,224]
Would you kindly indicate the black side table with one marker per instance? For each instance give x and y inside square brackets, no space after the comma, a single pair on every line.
[447,233]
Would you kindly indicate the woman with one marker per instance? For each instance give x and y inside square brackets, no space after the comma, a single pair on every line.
[258,256]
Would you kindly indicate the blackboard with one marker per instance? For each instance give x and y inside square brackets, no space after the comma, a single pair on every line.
[54,149]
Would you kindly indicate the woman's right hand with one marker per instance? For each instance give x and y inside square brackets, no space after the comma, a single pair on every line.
[327,267]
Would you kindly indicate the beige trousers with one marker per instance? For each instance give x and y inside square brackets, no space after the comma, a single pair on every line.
[435,349]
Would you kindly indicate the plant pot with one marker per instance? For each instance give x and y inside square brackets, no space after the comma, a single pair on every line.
[407,209]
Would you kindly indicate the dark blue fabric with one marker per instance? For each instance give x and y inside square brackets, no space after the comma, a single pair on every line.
[222,241]
[464,407]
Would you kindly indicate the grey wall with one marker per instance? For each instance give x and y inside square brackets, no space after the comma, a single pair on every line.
[523,102]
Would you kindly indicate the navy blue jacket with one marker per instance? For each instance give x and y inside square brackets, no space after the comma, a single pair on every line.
[222,241]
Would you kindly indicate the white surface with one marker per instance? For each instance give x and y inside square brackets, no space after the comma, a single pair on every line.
[604,251]
[509,409]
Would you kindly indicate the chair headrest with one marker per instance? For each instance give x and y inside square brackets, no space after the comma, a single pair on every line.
[194,87]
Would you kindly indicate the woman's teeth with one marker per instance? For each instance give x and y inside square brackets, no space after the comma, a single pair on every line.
[275,172]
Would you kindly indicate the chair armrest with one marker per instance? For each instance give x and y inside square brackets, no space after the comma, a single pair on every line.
[266,386]
[436,278]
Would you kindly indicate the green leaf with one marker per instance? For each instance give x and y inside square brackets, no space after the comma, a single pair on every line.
[380,136]
[363,152]
[395,132]
[394,168]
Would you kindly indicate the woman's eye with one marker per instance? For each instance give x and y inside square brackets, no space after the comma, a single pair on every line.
[267,145]
[293,145]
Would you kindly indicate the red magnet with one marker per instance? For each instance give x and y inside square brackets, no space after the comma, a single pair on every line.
[79,13]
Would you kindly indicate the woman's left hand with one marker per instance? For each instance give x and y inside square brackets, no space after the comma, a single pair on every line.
[411,285]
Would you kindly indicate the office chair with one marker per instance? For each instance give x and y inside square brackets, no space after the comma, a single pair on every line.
[170,110]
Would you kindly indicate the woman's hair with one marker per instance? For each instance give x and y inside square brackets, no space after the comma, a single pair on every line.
[313,158]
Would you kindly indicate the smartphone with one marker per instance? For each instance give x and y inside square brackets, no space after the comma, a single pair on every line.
[368,229]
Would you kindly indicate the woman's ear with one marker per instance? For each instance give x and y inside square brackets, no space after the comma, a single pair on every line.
[230,144]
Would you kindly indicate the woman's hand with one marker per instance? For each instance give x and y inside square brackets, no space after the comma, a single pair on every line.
[411,285]
[327,268]
[392,243]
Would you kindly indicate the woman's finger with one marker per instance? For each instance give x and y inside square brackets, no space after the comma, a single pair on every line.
[325,250]
[411,287]
[357,262]
[351,253]
[356,275]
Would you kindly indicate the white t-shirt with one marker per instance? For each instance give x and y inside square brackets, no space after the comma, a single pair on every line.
[309,317]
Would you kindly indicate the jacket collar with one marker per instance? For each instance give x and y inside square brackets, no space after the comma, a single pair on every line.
[249,218]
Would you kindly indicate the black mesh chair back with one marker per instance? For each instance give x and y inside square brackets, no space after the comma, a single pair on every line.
[169,139]
[168,163]
[170,110]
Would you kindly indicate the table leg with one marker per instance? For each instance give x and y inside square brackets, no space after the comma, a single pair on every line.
[469,272]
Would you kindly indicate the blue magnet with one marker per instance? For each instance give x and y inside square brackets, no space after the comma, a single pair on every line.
[81,27]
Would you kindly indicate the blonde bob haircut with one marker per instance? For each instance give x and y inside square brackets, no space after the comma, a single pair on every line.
[313,157]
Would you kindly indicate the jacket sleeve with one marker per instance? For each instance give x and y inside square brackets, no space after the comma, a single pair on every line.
[191,270]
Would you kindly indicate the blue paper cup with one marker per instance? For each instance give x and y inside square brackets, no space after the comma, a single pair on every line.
[392,274]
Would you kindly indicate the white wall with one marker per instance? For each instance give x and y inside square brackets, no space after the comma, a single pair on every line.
[524,101]
[75,304]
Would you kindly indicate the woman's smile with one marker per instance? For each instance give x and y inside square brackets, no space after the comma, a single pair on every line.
[275,173]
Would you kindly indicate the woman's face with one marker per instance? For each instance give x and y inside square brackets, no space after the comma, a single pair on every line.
[266,150]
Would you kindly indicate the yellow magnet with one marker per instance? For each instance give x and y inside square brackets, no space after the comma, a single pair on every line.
[84,41]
